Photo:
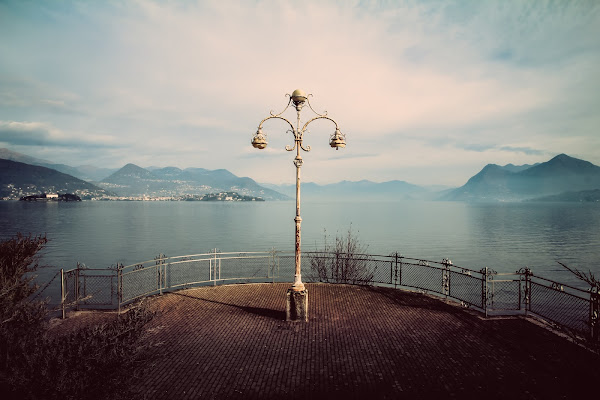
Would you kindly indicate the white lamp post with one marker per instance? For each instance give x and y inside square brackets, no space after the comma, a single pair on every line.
[297,296]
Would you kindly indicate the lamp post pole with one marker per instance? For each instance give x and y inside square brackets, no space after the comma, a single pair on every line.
[297,296]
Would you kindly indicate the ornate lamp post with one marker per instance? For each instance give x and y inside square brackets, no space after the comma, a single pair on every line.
[297,295]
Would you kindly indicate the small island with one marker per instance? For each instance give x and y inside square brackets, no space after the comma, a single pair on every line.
[51,197]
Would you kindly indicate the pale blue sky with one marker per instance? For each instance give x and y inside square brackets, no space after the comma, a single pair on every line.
[426,91]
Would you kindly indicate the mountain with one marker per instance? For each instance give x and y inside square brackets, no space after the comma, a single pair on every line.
[84,172]
[509,183]
[92,173]
[135,181]
[7,154]
[353,190]
[19,179]
[518,168]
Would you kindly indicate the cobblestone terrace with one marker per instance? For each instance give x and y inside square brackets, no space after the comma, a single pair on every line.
[231,342]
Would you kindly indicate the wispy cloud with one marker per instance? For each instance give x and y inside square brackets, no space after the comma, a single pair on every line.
[42,134]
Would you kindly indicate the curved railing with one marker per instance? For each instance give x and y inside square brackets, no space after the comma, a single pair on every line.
[485,290]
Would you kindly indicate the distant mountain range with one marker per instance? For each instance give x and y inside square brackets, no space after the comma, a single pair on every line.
[510,183]
[364,190]
[132,180]
[562,178]
[18,179]
[22,179]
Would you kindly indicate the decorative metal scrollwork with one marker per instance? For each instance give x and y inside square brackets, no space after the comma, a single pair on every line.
[116,267]
[557,286]
[286,107]
[323,114]
[489,295]
[446,282]
[299,100]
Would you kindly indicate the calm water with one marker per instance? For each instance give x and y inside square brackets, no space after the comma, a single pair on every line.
[504,237]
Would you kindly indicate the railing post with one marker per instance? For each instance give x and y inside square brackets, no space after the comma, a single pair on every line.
[520,284]
[594,311]
[119,287]
[484,279]
[399,269]
[337,267]
[77,287]
[159,262]
[62,292]
[446,276]
[165,277]
[214,267]
[525,280]
[397,277]
[393,272]
[527,290]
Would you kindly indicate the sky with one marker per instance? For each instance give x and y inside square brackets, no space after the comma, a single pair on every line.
[426,91]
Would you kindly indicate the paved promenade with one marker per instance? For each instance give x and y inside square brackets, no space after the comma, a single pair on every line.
[231,342]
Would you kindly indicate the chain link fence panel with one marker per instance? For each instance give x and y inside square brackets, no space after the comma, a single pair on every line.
[187,272]
[504,294]
[245,268]
[97,289]
[139,282]
[466,288]
[560,307]
[422,276]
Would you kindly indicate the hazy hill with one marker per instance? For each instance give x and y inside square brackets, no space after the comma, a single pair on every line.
[132,180]
[509,183]
[84,172]
[353,190]
[19,179]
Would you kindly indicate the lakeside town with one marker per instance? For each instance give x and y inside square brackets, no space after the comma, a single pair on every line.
[221,196]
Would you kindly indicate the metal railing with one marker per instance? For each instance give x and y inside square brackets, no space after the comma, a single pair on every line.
[490,292]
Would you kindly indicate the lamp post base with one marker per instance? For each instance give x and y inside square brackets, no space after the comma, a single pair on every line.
[296,307]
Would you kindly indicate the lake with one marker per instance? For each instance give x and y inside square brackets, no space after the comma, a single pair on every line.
[501,236]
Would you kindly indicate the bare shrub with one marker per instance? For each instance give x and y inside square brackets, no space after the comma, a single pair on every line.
[587,277]
[345,261]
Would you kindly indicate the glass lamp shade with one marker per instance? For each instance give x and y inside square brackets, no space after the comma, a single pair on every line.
[337,140]
[259,140]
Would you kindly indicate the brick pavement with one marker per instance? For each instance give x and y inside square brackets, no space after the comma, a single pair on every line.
[230,342]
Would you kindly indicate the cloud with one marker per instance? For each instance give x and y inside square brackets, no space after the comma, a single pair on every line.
[42,134]
[525,150]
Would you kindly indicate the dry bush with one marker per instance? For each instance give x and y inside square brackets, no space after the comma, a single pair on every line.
[345,261]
